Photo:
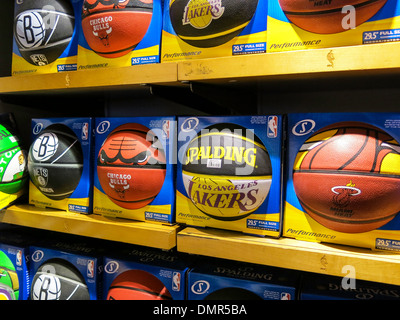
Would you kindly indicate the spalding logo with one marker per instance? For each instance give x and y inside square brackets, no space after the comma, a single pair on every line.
[111,267]
[37,255]
[200,287]
[303,127]
[189,124]
[103,127]
[200,13]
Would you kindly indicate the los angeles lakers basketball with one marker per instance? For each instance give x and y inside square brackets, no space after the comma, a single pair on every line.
[210,23]
[347,177]
[226,171]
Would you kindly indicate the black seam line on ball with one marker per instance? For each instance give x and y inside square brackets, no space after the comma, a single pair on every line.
[141,290]
[293,13]
[133,201]
[135,9]
[350,173]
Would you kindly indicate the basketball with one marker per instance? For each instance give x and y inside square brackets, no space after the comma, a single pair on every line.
[326,17]
[13,169]
[204,24]
[347,177]
[43,29]
[58,279]
[55,162]
[131,166]
[226,171]
[137,285]
[114,28]
[9,283]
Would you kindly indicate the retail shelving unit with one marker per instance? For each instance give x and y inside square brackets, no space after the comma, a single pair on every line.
[92,225]
[362,62]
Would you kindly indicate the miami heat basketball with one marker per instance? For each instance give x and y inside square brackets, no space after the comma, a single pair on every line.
[347,177]
[327,17]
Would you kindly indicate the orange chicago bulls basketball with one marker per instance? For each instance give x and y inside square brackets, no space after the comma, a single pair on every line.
[113,28]
[131,166]
[347,177]
[137,285]
[329,16]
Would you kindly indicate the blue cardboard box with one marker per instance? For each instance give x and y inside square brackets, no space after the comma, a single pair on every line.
[56,180]
[143,269]
[134,174]
[218,279]
[229,173]
[347,193]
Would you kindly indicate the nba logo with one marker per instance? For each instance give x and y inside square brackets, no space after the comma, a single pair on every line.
[285,296]
[19,258]
[272,130]
[90,269]
[165,129]
[176,281]
[85,131]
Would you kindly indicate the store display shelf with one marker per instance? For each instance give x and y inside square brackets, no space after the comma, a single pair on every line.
[95,226]
[372,59]
[302,64]
[287,253]
[93,79]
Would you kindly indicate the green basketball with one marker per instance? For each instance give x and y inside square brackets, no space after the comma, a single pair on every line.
[13,168]
[8,275]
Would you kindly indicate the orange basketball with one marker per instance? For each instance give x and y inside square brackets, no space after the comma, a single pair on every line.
[131,166]
[137,285]
[114,28]
[347,177]
[327,16]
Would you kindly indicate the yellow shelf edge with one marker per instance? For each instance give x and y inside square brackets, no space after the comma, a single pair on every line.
[92,79]
[288,253]
[302,62]
[94,226]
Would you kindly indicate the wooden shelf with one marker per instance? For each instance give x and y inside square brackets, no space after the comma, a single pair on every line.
[85,80]
[95,226]
[340,61]
[291,254]
[375,59]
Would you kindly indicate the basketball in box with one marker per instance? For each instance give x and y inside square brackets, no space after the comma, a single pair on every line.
[343,179]
[219,279]
[310,24]
[14,267]
[229,173]
[216,28]
[134,175]
[60,164]
[65,271]
[138,273]
[119,33]
[322,287]
[45,36]
[13,162]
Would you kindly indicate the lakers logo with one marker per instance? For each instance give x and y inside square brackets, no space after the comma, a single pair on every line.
[200,13]
[343,194]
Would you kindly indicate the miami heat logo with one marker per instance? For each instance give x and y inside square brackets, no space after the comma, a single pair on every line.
[343,194]
[200,13]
